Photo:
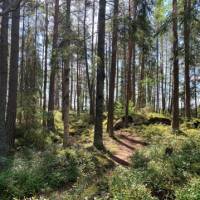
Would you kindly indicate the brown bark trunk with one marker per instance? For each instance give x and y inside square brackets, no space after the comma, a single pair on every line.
[175,110]
[162,76]
[3,79]
[187,7]
[87,67]
[157,78]
[128,71]
[66,75]
[13,78]
[113,70]
[50,121]
[45,65]
[98,133]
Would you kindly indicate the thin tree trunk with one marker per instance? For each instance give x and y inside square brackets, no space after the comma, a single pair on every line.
[72,85]
[134,57]
[195,93]
[92,105]
[117,81]
[87,67]
[66,75]
[113,70]
[21,87]
[141,84]
[128,71]
[187,7]
[45,65]
[50,121]
[157,78]
[175,110]
[162,76]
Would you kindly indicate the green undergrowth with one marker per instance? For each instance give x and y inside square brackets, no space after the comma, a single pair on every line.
[41,168]
[30,173]
[167,168]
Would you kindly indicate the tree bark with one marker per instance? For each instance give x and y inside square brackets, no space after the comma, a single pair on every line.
[175,108]
[13,78]
[98,132]
[157,78]
[50,121]
[3,79]
[128,71]
[162,76]
[66,75]
[45,64]
[187,7]
[113,70]
[87,67]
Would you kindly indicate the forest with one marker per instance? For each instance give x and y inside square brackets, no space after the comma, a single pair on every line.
[99,99]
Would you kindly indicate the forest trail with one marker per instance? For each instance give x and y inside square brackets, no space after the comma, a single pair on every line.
[125,144]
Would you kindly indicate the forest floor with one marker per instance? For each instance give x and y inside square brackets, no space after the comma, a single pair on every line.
[126,144]
[137,155]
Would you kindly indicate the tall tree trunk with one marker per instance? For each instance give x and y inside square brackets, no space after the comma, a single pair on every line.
[134,57]
[157,78]
[45,64]
[117,81]
[92,106]
[195,93]
[21,86]
[128,71]
[78,87]
[50,121]
[66,75]
[170,89]
[162,75]
[57,88]
[3,78]
[13,78]
[35,64]
[87,67]
[175,109]
[71,84]
[113,70]
[187,7]
[141,96]
[98,132]
[166,71]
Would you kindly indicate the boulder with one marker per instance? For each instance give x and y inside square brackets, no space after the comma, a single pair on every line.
[159,120]
[120,123]
[196,124]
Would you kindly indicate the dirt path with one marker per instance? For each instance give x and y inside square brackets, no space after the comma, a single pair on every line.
[123,146]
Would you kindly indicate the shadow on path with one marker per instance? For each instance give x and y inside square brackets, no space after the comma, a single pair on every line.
[133,140]
[126,145]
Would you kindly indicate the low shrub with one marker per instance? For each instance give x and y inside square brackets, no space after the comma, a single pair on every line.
[191,191]
[26,176]
[125,186]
